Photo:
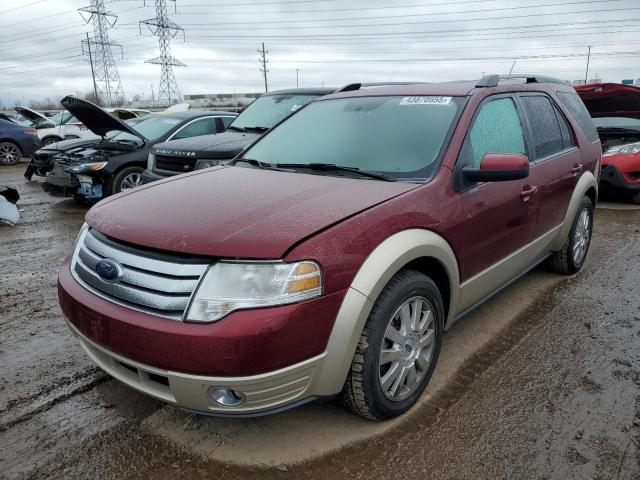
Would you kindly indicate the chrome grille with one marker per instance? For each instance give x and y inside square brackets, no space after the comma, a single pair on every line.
[152,283]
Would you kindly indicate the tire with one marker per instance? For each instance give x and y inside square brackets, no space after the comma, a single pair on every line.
[10,153]
[368,387]
[126,179]
[636,198]
[49,140]
[567,261]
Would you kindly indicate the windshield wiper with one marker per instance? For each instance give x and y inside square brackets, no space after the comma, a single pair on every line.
[619,129]
[332,166]
[233,127]
[257,129]
[257,163]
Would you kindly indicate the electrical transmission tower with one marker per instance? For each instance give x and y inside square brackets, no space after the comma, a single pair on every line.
[165,29]
[263,65]
[107,86]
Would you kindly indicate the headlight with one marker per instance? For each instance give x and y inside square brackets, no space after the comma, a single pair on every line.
[150,161]
[629,148]
[86,167]
[200,164]
[229,286]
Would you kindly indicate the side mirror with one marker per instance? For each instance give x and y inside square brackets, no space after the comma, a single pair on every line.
[499,167]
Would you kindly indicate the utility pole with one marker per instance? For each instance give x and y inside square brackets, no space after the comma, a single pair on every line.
[586,73]
[514,64]
[93,75]
[153,97]
[106,74]
[165,29]
[263,68]
[297,84]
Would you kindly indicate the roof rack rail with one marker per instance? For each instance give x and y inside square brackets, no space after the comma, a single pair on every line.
[357,86]
[494,80]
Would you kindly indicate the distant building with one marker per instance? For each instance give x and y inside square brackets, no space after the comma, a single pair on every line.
[221,99]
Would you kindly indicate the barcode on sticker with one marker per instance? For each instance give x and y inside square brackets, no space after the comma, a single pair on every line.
[425,101]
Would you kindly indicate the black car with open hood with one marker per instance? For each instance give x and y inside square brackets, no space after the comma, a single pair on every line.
[117,159]
[180,156]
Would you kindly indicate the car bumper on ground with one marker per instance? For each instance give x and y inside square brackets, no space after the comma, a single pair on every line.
[612,178]
[149,176]
[273,357]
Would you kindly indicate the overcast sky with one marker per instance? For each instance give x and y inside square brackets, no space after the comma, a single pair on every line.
[332,42]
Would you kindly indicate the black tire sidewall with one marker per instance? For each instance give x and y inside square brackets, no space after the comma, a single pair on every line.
[416,285]
[118,177]
[586,204]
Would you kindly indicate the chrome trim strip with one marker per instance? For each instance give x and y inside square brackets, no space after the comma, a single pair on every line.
[143,263]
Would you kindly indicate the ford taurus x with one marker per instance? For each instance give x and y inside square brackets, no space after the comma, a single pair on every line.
[330,258]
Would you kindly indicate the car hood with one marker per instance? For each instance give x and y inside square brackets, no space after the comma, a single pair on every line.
[236,212]
[65,145]
[96,119]
[610,99]
[223,145]
[32,115]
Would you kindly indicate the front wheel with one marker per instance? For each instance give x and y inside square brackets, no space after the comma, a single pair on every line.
[636,198]
[126,179]
[398,348]
[571,258]
[49,140]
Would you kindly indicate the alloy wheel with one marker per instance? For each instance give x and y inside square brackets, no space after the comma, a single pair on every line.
[131,181]
[407,348]
[581,236]
[10,154]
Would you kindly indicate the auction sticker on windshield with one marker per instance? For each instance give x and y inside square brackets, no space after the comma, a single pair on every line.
[425,101]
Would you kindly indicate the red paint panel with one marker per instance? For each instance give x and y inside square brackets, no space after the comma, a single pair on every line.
[504,162]
[243,343]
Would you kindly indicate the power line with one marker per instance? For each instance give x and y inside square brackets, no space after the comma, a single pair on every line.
[23,6]
[165,29]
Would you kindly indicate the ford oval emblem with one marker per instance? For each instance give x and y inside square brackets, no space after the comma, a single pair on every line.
[109,270]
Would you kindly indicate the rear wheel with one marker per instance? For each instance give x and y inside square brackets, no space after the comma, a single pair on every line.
[398,348]
[10,153]
[126,179]
[571,258]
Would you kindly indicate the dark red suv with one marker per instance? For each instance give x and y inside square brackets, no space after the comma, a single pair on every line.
[331,256]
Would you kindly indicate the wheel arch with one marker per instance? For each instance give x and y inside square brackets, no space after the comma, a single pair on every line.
[423,250]
[587,186]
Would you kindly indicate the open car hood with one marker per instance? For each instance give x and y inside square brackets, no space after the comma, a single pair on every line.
[610,99]
[96,119]
[36,117]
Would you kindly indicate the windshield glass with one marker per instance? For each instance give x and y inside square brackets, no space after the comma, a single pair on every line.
[152,128]
[402,137]
[268,110]
[63,117]
[619,122]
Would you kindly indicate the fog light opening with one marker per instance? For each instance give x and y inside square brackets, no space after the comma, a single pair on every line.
[226,397]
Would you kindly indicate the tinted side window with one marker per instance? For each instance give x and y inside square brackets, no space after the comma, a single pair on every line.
[203,126]
[496,129]
[545,129]
[574,104]
[565,128]
[227,121]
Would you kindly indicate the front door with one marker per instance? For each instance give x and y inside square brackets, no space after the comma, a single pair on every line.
[499,217]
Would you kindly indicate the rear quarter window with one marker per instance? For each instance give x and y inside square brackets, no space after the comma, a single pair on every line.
[574,104]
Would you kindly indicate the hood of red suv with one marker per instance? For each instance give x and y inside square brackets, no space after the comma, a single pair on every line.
[610,99]
[236,212]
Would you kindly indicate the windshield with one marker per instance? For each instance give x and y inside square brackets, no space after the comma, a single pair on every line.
[402,137]
[616,122]
[152,128]
[268,110]
[63,117]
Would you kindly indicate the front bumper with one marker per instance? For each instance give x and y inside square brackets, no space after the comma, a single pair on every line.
[612,178]
[59,183]
[266,393]
[275,356]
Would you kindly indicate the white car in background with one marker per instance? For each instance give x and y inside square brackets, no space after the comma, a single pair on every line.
[62,126]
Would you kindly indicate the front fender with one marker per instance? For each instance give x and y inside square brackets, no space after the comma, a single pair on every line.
[380,266]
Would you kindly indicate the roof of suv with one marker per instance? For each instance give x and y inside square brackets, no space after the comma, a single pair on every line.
[301,91]
[454,88]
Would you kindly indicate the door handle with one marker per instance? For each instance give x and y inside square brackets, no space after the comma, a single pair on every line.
[577,168]
[527,192]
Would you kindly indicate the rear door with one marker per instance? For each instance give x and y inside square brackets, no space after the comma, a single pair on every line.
[555,154]
[499,217]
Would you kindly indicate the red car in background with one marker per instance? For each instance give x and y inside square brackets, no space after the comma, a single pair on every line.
[615,110]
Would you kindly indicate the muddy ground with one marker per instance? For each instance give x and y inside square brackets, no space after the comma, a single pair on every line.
[553,393]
